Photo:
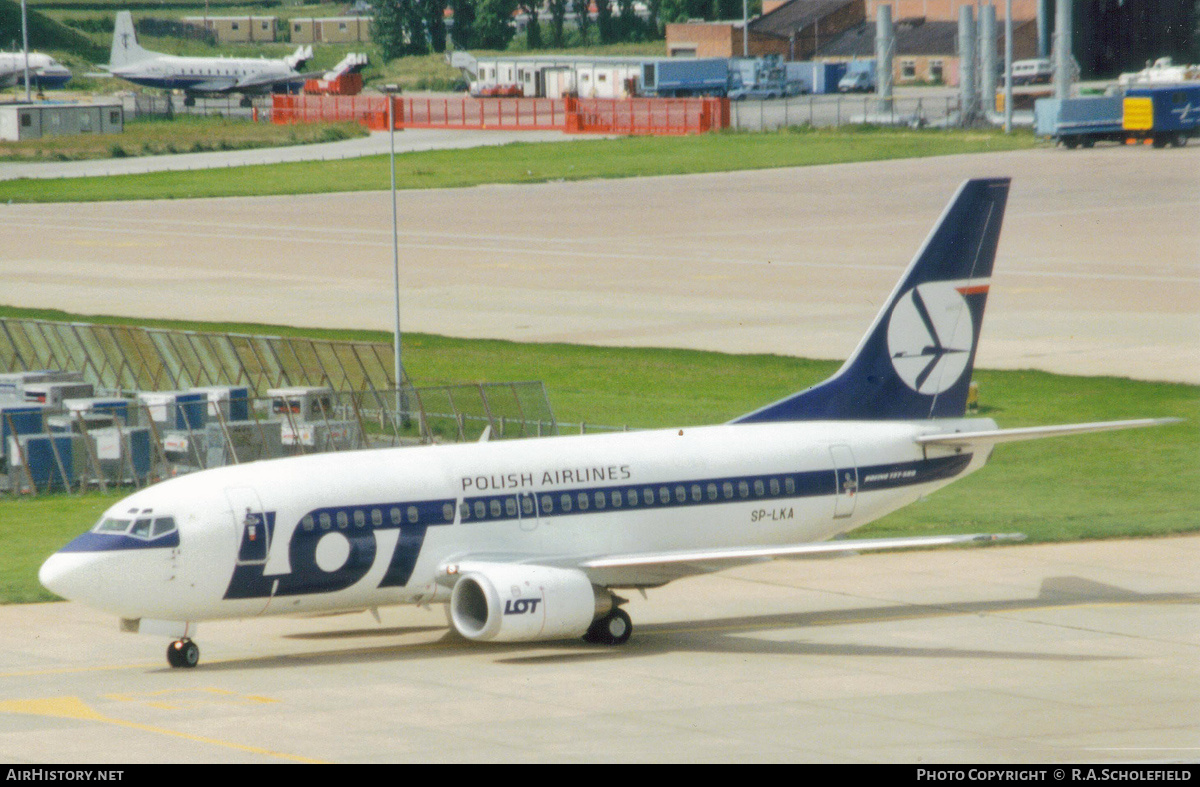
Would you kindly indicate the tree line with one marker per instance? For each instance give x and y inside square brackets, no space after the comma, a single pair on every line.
[418,27]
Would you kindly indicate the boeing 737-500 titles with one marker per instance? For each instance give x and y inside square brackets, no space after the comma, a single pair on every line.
[532,539]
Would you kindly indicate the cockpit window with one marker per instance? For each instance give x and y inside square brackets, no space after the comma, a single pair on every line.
[143,527]
[113,526]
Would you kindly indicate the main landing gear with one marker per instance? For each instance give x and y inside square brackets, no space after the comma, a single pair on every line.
[612,629]
[183,653]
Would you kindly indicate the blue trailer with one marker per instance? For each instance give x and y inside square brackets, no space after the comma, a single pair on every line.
[686,77]
[1163,114]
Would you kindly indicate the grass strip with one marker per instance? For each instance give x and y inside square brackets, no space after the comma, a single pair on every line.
[184,134]
[528,163]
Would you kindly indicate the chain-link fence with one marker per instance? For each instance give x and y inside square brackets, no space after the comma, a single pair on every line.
[110,441]
[256,107]
[841,110]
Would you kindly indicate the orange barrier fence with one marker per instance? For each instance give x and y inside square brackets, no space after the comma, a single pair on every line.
[513,114]
[575,115]
[647,115]
[371,111]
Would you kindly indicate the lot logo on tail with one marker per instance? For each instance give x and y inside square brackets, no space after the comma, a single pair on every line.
[930,336]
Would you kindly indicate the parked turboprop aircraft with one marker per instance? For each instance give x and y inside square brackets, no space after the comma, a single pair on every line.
[200,75]
[529,539]
[45,73]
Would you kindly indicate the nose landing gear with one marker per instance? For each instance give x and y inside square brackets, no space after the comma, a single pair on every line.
[183,653]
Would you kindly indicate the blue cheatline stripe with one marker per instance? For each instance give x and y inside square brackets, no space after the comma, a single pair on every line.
[114,542]
[707,491]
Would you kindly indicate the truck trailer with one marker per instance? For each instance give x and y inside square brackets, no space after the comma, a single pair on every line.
[1163,114]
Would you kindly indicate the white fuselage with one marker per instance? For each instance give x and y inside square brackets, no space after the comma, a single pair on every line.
[174,72]
[370,528]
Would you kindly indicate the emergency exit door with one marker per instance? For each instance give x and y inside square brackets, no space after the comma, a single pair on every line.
[845,470]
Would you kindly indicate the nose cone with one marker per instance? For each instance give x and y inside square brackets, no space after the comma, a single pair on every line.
[72,575]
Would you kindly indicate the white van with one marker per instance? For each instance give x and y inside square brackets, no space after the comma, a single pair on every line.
[1031,72]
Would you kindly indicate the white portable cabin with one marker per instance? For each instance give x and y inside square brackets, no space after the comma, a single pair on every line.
[556,76]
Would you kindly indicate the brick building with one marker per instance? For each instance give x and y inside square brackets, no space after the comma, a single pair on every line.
[790,28]
[926,51]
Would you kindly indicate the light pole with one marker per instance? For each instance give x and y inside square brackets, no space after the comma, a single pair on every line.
[25,47]
[400,403]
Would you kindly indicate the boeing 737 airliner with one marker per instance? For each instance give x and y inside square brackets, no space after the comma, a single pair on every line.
[529,539]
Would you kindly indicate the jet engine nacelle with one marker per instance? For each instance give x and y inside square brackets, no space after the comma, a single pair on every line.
[514,603]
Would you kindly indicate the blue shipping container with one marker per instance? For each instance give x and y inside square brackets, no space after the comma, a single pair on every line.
[18,420]
[47,459]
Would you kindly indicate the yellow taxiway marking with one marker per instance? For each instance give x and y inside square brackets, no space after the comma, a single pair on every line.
[178,699]
[75,708]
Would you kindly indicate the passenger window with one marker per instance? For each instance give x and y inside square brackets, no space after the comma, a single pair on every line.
[727,490]
[376,517]
[464,511]
[743,489]
[324,521]
[480,509]
[413,515]
[774,486]
[494,505]
[307,522]
[566,503]
[583,501]
[680,494]
[601,499]
[343,520]
[510,506]
[711,490]
[695,493]
[447,512]
[360,518]
[759,489]
[789,485]
[164,525]
[617,500]
[631,497]
[527,505]
[648,496]
[394,514]
[547,504]
[664,495]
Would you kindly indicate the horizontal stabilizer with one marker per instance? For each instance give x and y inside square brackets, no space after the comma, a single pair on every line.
[994,436]
[350,64]
[745,554]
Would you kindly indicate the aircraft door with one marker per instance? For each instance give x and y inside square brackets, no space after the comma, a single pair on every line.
[251,523]
[845,471]
[527,508]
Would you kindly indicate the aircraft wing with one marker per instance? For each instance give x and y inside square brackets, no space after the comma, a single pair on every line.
[654,568]
[214,86]
[991,437]
[266,80]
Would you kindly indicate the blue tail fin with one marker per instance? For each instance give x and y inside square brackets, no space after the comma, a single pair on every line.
[915,362]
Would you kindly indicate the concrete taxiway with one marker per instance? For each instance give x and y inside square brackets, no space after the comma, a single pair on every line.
[1051,654]
[1098,269]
